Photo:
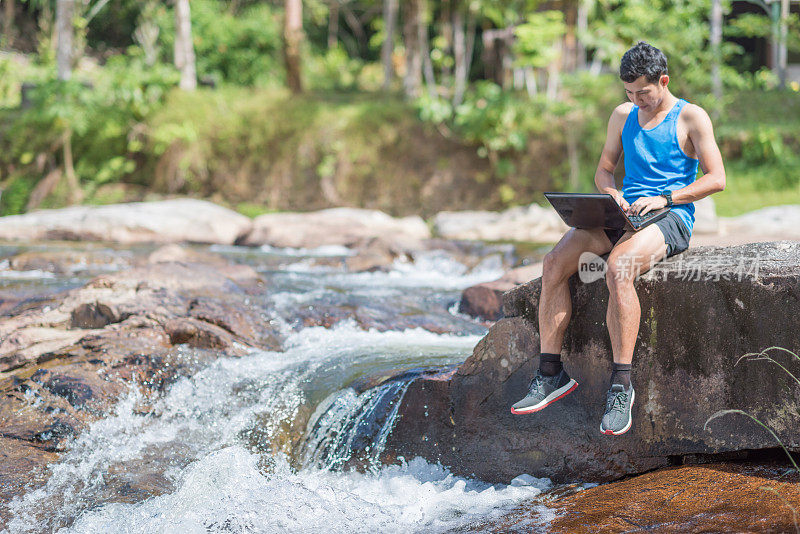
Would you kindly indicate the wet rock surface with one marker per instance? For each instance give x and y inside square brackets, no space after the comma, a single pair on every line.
[708,498]
[729,497]
[65,361]
[694,329]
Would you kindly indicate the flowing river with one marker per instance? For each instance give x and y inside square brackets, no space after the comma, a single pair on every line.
[209,454]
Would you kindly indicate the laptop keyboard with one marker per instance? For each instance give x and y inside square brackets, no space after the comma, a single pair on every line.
[636,219]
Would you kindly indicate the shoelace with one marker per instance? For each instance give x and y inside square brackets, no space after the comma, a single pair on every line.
[535,383]
[617,403]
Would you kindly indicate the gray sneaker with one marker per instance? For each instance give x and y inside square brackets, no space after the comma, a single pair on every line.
[617,419]
[544,391]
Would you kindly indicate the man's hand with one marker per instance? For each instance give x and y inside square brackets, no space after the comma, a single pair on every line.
[620,199]
[645,204]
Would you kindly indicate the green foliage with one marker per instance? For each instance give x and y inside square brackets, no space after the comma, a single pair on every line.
[497,120]
[238,48]
[680,29]
[538,38]
[333,70]
[760,25]
[101,115]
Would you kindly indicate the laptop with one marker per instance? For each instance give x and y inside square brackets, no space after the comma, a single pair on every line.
[599,210]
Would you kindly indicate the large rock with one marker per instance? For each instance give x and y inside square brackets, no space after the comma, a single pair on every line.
[532,223]
[169,221]
[485,301]
[701,311]
[334,227]
[717,497]
[781,221]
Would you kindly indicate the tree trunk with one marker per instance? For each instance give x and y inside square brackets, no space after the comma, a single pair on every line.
[75,193]
[387,49]
[333,23]
[292,39]
[8,23]
[146,33]
[446,18]
[783,49]
[496,54]
[65,12]
[425,50]
[412,82]
[43,188]
[530,81]
[554,76]
[184,47]
[460,55]
[715,41]
[582,26]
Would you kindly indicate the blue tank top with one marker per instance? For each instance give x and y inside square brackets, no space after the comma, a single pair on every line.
[655,162]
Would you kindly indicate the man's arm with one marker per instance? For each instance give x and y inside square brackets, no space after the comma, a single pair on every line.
[701,133]
[609,158]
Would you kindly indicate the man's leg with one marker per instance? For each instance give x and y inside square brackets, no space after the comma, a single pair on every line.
[551,382]
[555,305]
[634,254]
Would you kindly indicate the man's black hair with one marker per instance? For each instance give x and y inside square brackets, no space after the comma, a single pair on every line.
[643,60]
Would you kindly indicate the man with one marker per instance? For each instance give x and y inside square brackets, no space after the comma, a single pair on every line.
[663,139]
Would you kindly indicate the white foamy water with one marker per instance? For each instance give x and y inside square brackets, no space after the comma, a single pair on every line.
[34,274]
[323,251]
[230,491]
[197,469]
[432,269]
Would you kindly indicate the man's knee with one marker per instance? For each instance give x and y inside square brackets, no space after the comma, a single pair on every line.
[554,267]
[620,272]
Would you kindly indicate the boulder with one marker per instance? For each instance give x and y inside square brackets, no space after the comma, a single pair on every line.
[701,312]
[782,221]
[183,220]
[485,301]
[336,226]
[532,223]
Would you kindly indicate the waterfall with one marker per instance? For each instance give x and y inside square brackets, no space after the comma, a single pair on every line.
[353,428]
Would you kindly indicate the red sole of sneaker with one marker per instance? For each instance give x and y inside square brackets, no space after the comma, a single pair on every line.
[523,412]
[630,423]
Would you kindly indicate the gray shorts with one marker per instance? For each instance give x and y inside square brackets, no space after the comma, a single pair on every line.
[676,236]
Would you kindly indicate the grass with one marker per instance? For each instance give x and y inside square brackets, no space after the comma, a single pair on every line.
[749,188]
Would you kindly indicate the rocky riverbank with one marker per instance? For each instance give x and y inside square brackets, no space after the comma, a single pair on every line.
[78,352]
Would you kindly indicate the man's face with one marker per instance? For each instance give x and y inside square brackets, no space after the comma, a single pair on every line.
[647,95]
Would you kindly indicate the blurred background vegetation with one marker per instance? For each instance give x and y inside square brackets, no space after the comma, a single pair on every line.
[411,107]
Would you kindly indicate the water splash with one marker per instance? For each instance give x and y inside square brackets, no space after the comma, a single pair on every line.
[233,490]
[354,427]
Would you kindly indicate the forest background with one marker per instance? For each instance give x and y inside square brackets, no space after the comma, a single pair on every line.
[412,106]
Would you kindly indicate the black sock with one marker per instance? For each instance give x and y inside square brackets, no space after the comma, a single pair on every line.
[621,375]
[550,364]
